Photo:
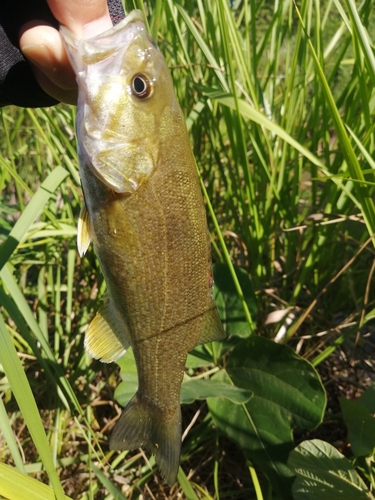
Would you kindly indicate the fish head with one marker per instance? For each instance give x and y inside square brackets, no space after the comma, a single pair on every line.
[126,105]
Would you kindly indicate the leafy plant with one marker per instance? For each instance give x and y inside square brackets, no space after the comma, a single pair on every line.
[279,103]
[324,473]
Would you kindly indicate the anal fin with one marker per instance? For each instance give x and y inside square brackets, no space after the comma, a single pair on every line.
[106,338]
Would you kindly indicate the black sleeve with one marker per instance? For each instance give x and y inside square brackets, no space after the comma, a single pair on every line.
[17,82]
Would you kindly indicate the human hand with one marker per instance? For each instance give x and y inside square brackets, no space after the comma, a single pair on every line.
[42,45]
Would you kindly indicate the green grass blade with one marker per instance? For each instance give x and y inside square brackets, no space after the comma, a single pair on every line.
[15,486]
[227,258]
[204,47]
[186,486]
[247,111]
[12,309]
[363,195]
[363,38]
[25,312]
[18,180]
[31,212]
[26,402]
[115,492]
[361,147]
[63,383]
[8,434]
[63,133]
[254,477]
[69,299]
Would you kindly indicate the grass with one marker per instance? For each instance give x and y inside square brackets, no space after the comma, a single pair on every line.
[280,108]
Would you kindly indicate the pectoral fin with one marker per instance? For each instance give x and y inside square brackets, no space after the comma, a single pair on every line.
[83,230]
[106,338]
[212,328]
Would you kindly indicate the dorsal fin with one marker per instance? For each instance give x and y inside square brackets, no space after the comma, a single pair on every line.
[106,338]
[212,328]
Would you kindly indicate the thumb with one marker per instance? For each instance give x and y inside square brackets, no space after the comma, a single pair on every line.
[43,46]
[84,18]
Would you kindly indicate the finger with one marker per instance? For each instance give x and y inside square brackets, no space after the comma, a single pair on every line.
[84,18]
[60,94]
[43,46]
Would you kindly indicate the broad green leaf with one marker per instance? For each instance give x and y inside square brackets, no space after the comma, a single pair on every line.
[203,389]
[361,427]
[287,394]
[190,390]
[324,474]
[367,399]
[229,303]
[16,486]
[199,357]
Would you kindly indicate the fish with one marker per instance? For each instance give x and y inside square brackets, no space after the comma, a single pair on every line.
[144,212]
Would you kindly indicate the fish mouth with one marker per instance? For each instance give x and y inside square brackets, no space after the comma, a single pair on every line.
[133,17]
[102,46]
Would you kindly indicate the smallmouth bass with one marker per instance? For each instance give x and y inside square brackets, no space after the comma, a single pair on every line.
[143,210]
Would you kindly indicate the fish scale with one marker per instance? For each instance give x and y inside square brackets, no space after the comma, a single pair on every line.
[143,210]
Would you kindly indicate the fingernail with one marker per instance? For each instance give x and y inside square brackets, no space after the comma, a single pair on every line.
[40,55]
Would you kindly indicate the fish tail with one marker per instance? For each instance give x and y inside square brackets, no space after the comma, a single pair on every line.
[141,425]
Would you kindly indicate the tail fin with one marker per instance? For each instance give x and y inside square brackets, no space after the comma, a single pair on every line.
[141,425]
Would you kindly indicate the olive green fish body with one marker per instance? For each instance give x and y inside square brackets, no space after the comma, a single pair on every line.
[145,214]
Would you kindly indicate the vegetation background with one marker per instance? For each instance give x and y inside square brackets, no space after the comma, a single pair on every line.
[279,103]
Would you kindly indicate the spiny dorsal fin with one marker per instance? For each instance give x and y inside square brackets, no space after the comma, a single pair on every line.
[212,328]
[83,230]
[106,338]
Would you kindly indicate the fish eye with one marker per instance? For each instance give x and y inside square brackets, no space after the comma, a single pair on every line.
[141,86]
